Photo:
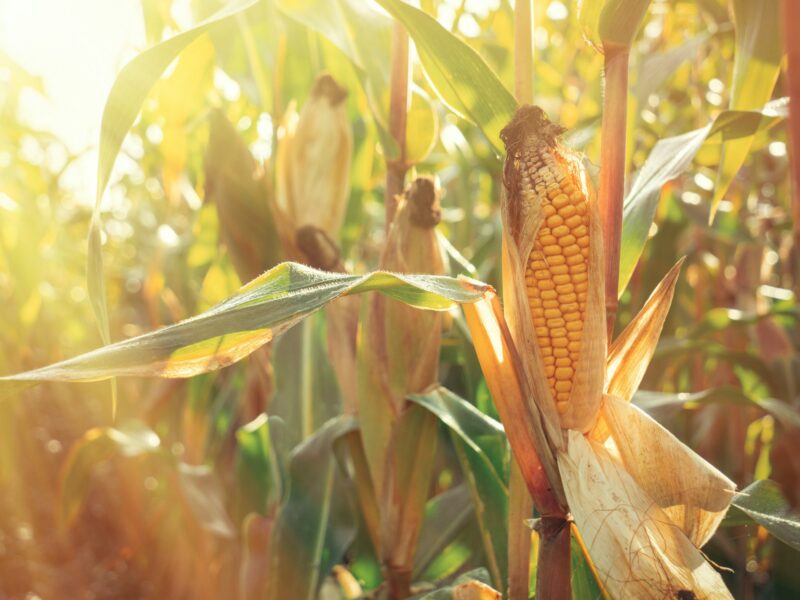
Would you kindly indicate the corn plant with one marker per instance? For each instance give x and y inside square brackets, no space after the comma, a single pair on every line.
[319,393]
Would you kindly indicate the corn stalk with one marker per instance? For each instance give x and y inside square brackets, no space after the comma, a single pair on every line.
[612,169]
[791,16]
[520,501]
[553,560]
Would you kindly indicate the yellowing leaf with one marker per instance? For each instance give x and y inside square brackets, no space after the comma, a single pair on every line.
[630,354]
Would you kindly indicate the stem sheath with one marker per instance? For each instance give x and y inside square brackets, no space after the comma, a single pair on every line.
[612,170]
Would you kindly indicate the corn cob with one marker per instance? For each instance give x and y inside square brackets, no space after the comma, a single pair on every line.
[549,202]
[557,271]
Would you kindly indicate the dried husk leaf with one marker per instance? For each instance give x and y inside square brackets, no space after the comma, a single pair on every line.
[502,369]
[313,162]
[522,219]
[692,492]
[630,354]
[475,590]
[412,337]
[635,547]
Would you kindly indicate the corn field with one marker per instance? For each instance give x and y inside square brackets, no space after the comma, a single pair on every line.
[386,299]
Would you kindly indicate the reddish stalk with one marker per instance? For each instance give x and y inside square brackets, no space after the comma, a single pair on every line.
[791,40]
[612,169]
[554,562]
[396,167]
[527,444]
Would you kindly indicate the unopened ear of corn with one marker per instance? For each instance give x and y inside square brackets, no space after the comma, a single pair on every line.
[553,277]
[399,355]
[313,163]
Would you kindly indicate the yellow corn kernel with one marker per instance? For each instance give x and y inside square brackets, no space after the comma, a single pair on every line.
[556,277]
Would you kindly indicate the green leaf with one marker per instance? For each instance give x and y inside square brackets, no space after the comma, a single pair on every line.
[262,309]
[199,489]
[481,447]
[657,68]
[446,517]
[458,74]
[668,159]
[450,592]
[94,447]
[584,583]
[259,465]
[611,21]
[122,106]
[653,401]
[755,69]
[316,523]
[764,503]
[363,34]
[423,121]
[620,20]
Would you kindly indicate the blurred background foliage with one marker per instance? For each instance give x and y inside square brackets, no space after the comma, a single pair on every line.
[180,496]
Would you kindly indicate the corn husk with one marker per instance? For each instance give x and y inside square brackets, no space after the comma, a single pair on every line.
[525,428]
[643,502]
[313,163]
[522,219]
[636,548]
[399,355]
[693,493]
[630,354]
